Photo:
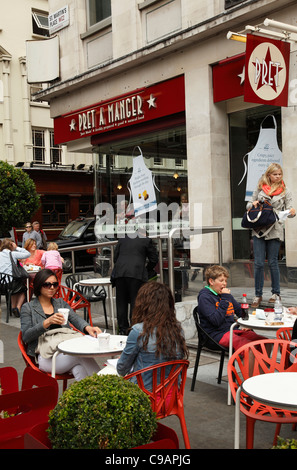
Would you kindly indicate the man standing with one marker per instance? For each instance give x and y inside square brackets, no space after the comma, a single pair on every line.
[130,272]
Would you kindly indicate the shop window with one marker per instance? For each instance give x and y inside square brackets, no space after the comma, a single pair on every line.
[98,10]
[40,24]
[54,212]
[244,128]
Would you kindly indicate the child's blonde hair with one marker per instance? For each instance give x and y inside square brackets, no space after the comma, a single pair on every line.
[52,246]
[213,272]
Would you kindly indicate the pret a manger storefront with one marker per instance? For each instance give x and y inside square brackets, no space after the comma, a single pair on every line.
[192,140]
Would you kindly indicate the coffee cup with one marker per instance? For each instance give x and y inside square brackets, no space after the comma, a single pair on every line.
[103,340]
[65,313]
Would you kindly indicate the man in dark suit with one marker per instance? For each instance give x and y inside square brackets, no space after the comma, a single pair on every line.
[130,272]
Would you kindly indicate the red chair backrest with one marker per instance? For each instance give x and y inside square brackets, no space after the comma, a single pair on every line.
[168,384]
[74,299]
[284,333]
[29,361]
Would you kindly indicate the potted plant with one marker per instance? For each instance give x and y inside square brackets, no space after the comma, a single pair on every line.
[285,443]
[101,412]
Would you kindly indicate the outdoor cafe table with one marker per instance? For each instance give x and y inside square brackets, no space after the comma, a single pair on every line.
[101,281]
[255,323]
[88,346]
[277,389]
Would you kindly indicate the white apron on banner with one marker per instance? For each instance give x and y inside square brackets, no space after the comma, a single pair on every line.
[142,187]
[265,152]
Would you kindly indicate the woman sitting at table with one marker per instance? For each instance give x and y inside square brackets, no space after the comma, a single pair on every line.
[41,314]
[156,336]
[35,255]
[8,247]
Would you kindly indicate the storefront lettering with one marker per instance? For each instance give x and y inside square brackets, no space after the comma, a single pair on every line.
[115,112]
[269,76]
[86,120]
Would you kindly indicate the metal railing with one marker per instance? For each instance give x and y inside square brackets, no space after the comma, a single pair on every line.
[188,232]
[170,237]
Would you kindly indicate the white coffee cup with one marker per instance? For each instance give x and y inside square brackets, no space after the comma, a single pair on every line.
[65,313]
[103,340]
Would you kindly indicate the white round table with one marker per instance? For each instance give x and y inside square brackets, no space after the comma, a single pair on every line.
[277,389]
[88,346]
[101,281]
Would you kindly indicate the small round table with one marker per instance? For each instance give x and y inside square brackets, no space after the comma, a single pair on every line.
[101,281]
[277,389]
[88,346]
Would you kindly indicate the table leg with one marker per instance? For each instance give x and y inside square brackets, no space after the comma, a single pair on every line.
[237,419]
[54,363]
[110,295]
[230,354]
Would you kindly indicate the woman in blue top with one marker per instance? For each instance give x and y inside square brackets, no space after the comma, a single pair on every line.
[156,336]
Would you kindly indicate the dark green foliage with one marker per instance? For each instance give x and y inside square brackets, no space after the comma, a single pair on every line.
[102,412]
[18,197]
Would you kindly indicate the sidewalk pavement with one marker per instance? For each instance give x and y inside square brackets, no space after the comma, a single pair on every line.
[210,421]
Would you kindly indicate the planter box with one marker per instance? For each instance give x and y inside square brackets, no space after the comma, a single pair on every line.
[164,438]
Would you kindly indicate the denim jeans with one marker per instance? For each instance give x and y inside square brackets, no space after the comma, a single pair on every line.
[270,249]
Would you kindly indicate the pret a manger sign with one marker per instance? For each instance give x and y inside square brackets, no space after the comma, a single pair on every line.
[266,71]
[139,106]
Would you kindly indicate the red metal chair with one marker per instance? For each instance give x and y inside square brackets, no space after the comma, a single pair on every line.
[268,356]
[75,300]
[24,410]
[284,333]
[29,361]
[167,395]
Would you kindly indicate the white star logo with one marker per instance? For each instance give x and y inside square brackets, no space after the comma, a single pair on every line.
[241,76]
[72,125]
[151,102]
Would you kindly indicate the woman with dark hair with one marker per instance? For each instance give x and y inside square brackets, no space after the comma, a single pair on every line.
[156,336]
[41,314]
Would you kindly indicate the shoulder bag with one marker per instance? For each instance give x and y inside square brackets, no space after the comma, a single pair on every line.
[263,215]
[17,270]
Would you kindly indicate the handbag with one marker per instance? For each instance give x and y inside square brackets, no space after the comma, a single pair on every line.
[17,270]
[49,341]
[263,215]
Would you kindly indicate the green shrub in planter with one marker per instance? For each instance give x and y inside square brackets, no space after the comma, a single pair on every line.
[102,412]
[285,443]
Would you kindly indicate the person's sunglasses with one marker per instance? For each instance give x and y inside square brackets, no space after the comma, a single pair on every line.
[48,285]
[28,226]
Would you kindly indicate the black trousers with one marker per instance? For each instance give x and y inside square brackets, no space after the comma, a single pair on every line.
[126,292]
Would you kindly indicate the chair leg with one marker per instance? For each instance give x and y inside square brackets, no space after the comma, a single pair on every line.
[250,425]
[105,314]
[195,368]
[221,366]
[277,433]
[184,429]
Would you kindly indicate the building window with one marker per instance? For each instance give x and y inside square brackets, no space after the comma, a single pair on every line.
[55,150]
[232,3]
[86,207]
[40,24]
[99,10]
[38,146]
[54,212]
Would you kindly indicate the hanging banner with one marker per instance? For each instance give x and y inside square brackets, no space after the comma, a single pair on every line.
[142,187]
[267,64]
[228,78]
[265,152]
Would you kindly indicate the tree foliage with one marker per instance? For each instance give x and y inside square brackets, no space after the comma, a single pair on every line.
[18,197]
